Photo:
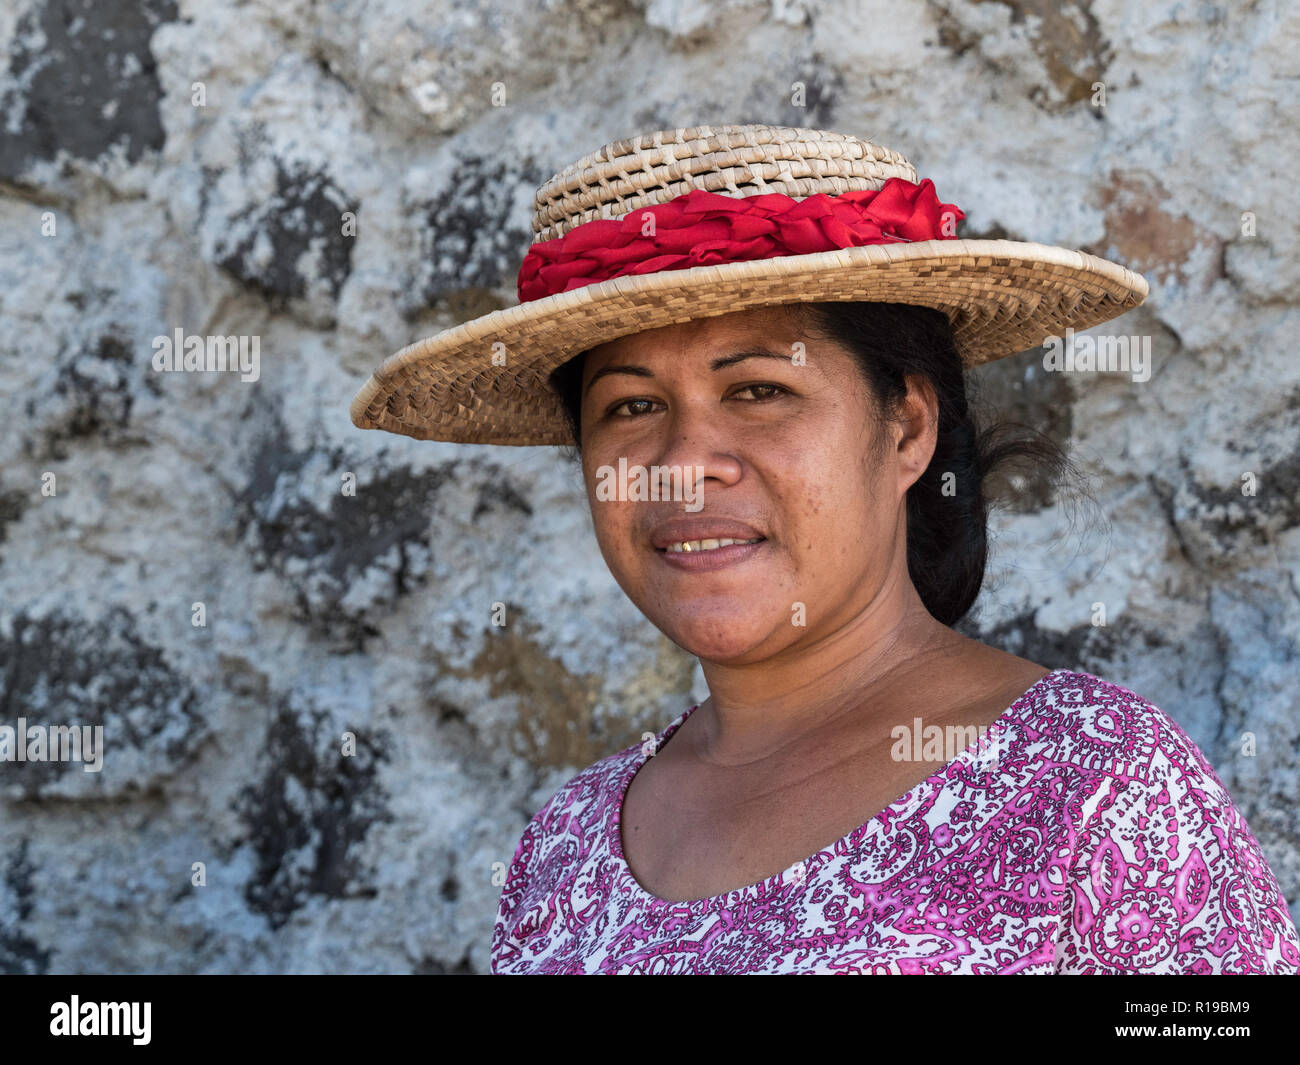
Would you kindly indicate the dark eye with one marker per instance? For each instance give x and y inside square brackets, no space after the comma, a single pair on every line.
[644,407]
[635,408]
[764,391]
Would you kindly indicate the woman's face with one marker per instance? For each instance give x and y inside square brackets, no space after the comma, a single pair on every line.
[788,452]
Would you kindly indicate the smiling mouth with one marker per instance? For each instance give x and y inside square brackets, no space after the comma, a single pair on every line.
[693,546]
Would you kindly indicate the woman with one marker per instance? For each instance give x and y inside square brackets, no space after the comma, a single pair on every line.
[780,365]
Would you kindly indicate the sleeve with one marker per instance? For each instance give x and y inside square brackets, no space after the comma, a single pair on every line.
[1168,878]
[506,937]
[527,911]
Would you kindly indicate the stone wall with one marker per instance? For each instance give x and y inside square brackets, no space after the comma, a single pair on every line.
[181,563]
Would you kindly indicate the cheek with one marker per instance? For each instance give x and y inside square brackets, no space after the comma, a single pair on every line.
[839,511]
[613,522]
[829,490]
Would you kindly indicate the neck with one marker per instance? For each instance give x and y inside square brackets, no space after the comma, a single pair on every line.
[755,710]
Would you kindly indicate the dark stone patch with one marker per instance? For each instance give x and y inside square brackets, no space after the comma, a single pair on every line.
[654,115]
[1087,648]
[20,955]
[12,506]
[90,296]
[321,551]
[304,214]
[61,670]
[242,675]
[89,399]
[341,542]
[428,966]
[68,61]
[473,235]
[1232,521]
[994,232]
[466,304]
[448,713]
[951,34]
[823,85]
[309,812]
[500,493]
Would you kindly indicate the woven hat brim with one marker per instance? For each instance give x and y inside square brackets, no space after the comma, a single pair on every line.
[1002,296]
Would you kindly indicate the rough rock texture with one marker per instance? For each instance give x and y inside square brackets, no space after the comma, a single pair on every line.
[346,742]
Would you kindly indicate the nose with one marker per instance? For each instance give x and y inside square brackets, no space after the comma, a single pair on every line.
[695,442]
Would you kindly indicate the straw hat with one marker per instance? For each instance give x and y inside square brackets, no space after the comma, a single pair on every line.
[743,216]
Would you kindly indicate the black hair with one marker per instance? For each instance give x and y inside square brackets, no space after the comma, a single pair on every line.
[947,534]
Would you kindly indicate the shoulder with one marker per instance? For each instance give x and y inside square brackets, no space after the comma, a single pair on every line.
[1128,747]
[1106,730]
[1137,754]
[1166,874]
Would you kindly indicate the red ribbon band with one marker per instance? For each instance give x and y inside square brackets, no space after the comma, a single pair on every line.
[702,228]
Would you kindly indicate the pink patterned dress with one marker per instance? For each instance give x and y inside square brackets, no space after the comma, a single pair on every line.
[1097,839]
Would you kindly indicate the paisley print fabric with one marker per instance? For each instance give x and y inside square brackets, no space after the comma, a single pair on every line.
[1083,833]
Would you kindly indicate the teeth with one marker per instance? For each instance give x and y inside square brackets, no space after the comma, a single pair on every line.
[707,545]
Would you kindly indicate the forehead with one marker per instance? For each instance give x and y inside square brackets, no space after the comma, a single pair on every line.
[777,327]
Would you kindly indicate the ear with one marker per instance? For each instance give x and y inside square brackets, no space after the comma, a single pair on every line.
[916,429]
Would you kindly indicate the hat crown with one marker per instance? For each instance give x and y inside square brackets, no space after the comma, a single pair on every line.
[750,160]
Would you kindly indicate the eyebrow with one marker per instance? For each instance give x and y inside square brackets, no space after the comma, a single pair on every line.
[719,363]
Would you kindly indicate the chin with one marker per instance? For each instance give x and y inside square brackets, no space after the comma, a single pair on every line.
[722,636]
